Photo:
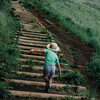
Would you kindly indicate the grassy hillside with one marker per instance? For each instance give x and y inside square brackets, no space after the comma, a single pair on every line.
[79,17]
[8,52]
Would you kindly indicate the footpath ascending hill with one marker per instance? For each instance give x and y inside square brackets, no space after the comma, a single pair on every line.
[29,82]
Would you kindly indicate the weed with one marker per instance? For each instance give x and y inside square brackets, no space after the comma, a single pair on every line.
[51,98]
[35,27]
[67,48]
[8,50]
[68,98]
[32,21]
[72,78]
[58,42]
[45,31]
[91,94]
[75,56]
[3,90]
[94,70]
[63,60]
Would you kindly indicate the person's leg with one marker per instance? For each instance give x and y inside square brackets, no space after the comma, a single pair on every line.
[46,73]
[52,72]
[50,81]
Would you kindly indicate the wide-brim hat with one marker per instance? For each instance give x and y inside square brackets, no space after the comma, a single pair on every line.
[53,47]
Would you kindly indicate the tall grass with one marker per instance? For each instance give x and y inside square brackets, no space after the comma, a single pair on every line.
[77,18]
[8,51]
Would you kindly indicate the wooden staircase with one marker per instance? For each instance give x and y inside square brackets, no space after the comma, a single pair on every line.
[33,38]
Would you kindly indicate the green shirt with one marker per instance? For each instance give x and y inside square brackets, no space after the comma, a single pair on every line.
[51,58]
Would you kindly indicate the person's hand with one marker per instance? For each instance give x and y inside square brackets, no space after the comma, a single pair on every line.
[60,74]
[32,50]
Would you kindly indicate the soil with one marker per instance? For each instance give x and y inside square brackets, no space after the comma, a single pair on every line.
[84,52]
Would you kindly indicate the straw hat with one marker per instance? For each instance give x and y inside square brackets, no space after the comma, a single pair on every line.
[53,47]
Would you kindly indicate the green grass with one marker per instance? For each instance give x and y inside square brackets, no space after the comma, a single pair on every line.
[8,49]
[76,17]
[3,90]
[75,78]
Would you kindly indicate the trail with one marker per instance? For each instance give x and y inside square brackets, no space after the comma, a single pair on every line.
[30,83]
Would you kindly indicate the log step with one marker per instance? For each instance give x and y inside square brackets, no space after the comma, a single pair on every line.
[34,33]
[54,85]
[28,48]
[33,56]
[36,83]
[34,36]
[41,68]
[30,73]
[38,61]
[32,44]
[37,53]
[29,38]
[43,95]
[33,53]
[30,41]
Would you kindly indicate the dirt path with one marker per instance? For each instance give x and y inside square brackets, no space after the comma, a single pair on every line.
[29,82]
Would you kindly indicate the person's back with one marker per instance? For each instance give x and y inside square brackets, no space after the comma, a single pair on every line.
[51,57]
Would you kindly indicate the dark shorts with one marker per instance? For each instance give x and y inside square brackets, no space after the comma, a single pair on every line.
[49,71]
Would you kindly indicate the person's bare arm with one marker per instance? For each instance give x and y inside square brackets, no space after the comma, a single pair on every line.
[59,68]
[33,50]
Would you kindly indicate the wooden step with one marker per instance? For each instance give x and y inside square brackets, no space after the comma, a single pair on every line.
[33,30]
[38,61]
[29,38]
[33,53]
[54,85]
[35,36]
[33,67]
[28,26]
[31,73]
[31,27]
[43,95]
[32,44]
[38,31]
[32,41]
[26,49]
[41,68]
[34,33]
[35,22]
[36,39]
[29,48]
[36,83]
[37,53]
[33,56]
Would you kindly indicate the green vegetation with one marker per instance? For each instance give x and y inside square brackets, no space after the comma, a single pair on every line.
[8,49]
[3,90]
[72,78]
[30,3]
